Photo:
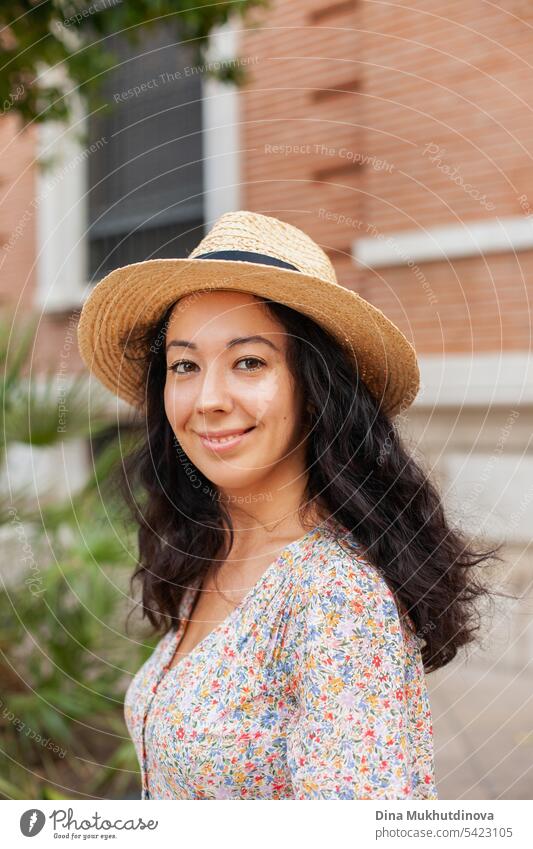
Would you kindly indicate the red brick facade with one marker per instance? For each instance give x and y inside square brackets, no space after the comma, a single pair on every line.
[17,214]
[363,119]
[432,102]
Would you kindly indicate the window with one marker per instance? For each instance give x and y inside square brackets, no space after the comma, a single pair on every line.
[146,178]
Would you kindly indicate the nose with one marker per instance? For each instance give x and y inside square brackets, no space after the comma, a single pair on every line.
[213,394]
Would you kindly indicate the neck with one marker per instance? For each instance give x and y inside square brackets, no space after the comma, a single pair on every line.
[269,512]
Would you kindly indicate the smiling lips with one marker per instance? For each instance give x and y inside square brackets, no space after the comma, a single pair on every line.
[223,439]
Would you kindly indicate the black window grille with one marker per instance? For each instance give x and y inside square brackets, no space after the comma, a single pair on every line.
[145,168]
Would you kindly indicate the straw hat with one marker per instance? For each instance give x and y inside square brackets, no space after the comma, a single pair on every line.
[246,252]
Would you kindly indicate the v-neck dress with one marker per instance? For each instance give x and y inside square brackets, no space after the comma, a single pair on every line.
[312,688]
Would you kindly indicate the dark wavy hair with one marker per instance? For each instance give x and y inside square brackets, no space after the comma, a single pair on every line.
[357,468]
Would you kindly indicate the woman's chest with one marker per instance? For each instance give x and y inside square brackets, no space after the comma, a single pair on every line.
[210,611]
[215,728]
[240,671]
[224,705]
[214,603]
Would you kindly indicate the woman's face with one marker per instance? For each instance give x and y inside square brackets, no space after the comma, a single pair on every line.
[227,371]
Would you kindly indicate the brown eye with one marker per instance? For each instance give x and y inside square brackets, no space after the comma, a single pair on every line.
[251,360]
[174,367]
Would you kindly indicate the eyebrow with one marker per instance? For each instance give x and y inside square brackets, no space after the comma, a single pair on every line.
[239,340]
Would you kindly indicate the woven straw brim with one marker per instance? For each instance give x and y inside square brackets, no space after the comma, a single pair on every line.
[136,295]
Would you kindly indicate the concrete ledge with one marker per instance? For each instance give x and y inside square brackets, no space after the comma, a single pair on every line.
[438,244]
[477,379]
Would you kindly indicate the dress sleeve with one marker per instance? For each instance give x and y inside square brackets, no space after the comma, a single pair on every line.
[348,738]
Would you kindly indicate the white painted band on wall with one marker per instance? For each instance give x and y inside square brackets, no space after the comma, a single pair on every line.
[477,379]
[220,131]
[471,238]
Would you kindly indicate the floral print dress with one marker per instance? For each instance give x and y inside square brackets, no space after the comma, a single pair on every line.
[312,688]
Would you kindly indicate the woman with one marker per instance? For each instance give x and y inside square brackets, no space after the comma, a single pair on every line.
[294,558]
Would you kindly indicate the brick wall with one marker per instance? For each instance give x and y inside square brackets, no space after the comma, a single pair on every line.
[353,113]
[17,215]
[438,122]
[300,121]
[18,249]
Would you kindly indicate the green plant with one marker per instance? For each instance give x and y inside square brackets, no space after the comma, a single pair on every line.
[65,659]
[36,37]
[65,663]
[39,410]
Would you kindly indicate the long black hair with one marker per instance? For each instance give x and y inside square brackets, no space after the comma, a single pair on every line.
[358,468]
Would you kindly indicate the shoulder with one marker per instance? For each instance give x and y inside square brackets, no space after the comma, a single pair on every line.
[334,568]
[336,583]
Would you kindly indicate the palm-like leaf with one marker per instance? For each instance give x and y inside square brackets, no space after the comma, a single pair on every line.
[44,411]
